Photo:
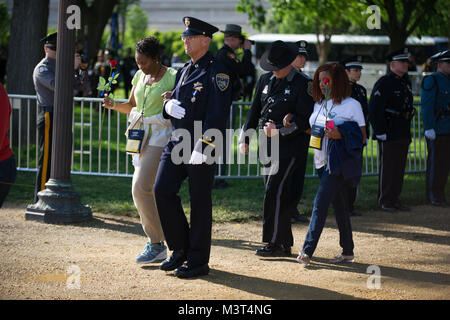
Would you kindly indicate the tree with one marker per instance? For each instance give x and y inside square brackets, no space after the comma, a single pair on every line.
[324,17]
[138,22]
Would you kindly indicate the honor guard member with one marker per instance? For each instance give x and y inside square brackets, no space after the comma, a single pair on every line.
[44,85]
[202,94]
[435,102]
[353,67]
[390,112]
[298,176]
[278,93]
[237,70]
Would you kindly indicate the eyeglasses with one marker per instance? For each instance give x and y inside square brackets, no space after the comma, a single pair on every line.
[190,38]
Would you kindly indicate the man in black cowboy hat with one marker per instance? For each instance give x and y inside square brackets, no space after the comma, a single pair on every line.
[202,94]
[390,113]
[278,93]
[298,176]
[44,84]
[353,67]
[435,106]
[238,71]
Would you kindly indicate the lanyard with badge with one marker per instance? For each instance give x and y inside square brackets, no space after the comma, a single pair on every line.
[317,130]
[136,136]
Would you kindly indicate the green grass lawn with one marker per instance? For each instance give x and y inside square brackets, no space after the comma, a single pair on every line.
[241,201]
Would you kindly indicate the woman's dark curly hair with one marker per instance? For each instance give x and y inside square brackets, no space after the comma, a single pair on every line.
[149,47]
[340,85]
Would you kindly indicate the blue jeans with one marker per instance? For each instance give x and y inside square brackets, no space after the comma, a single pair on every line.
[327,194]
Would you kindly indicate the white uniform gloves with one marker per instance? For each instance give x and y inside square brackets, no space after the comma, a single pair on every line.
[174,109]
[382,137]
[430,134]
[197,158]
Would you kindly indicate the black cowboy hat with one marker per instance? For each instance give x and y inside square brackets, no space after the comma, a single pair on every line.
[279,55]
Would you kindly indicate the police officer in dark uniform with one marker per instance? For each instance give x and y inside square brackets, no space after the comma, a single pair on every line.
[279,93]
[435,102]
[298,176]
[353,67]
[44,84]
[238,70]
[390,112]
[200,103]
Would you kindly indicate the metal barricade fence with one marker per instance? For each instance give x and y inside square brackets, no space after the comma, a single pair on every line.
[99,141]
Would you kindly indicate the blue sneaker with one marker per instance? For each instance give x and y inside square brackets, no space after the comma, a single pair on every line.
[152,252]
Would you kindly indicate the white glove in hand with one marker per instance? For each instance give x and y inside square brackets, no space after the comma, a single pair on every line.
[430,134]
[197,158]
[382,137]
[173,108]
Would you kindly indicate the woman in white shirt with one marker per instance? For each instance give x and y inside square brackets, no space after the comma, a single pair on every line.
[334,106]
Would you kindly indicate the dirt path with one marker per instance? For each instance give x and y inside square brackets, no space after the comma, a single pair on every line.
[410,249]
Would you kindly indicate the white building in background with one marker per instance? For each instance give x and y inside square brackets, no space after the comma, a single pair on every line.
[166,15]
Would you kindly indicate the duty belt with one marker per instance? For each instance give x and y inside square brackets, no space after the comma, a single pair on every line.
[401,114]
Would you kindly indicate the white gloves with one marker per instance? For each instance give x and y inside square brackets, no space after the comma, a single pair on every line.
[382,137]
[173,108]
[430,134]
[197,158]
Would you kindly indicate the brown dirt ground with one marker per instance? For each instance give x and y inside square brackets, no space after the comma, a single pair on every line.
[410,248]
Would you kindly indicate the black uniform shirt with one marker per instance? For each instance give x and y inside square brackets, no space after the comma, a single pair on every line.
[289,95]
[237,69]
[359,93]
[391,93]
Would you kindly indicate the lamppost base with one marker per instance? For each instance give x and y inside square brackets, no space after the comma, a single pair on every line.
[58,203]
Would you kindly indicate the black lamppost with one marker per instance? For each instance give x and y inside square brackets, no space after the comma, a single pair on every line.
[59,202]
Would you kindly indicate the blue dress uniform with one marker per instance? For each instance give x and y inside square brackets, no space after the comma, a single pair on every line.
[390,112]
[359,93]
[203,88]
[274,99]
[435,102]
[298,175]
[44,84]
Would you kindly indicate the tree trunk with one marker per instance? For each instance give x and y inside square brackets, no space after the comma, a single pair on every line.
[28,26]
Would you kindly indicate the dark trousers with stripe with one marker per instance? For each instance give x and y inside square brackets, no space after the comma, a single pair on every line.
[195,238]
[438,167]
[276,216]
[392,162]
[297,178]
[44,127]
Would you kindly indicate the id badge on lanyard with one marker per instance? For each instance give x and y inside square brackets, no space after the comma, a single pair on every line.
[318,132]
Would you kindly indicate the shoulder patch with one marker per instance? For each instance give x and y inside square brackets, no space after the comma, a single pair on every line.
[309,89]
[222,81]
[43,69]
[232,56]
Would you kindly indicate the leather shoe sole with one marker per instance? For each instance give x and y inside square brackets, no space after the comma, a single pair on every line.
[185,271]
[175,261]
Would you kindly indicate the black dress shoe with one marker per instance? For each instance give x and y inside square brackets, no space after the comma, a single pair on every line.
[274,250]
[387,208]
[297,217]
[177,258]
[190,272]
[401,207]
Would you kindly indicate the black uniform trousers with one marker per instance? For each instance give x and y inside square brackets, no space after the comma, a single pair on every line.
[392,162]
[297,178]
[276,216]
[196,238]
[438,167]
[8,172]
[44,128]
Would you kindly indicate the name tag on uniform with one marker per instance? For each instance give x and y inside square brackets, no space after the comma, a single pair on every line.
[287,91]
[266,89]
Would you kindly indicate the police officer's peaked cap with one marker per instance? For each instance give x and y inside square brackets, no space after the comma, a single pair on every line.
[50,40]
[233,29]
[352,62]
[398,55]
[302,44]
[443,56]
[198,27]
[279,55]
